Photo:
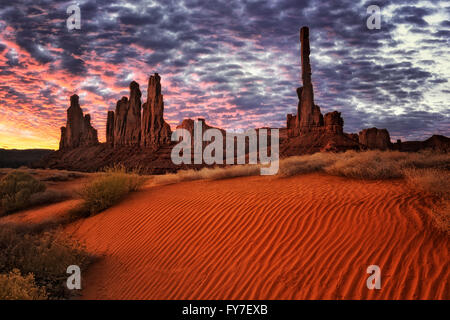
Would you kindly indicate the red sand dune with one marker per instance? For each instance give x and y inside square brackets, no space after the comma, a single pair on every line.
[305,237]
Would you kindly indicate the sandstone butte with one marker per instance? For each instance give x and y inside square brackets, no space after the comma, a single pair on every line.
[138,136]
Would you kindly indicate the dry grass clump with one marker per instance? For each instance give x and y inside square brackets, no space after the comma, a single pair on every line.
[371,165]
[433,181]
[436,183]
[108,189]
[45,256]
[14,286]
[306,164]
[216,173]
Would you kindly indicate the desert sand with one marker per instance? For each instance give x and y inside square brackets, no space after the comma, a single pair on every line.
[304,237]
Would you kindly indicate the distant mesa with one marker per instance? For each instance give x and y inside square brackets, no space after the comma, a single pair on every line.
[138,135]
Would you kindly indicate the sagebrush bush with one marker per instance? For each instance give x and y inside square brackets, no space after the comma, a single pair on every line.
[45,255]
[109,188]
[14,286]
[16,189]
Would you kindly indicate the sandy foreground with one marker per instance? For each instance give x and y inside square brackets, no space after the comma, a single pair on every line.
[304,237]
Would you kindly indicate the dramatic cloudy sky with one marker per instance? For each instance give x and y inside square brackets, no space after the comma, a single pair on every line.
[235,63]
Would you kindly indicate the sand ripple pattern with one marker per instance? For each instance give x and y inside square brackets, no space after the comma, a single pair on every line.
[305,237]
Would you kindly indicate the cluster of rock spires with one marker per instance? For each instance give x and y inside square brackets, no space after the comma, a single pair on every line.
[125,126]
[138,136]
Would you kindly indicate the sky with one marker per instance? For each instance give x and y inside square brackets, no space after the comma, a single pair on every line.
[234,63]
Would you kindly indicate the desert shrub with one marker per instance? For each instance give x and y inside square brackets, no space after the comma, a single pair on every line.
[370,165]
[16,189]
[46,255]
[14,286]
[305,164]
[436,183]
[433,181]
[109,188]
[216,173]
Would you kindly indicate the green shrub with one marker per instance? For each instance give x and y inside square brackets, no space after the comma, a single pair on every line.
[108,189]
[14,286]
[16,189]
[46,255]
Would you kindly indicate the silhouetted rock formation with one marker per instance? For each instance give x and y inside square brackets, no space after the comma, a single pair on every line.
[78,131]
[374,138]
[154,130]
[309,118]
[308,114]
[133,123]
[120,122]
[127,119]
[110,128]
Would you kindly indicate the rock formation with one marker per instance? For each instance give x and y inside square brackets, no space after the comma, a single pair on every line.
[133,123]
[78,131]
[120,122]
[374,138]
[308,114]
[154,130]
[127,119]
[333,122]
[110,128]
[309,118]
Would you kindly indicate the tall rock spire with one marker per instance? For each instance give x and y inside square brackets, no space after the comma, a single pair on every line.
[154,130]
[110,128]
[308,114]
[133,127]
